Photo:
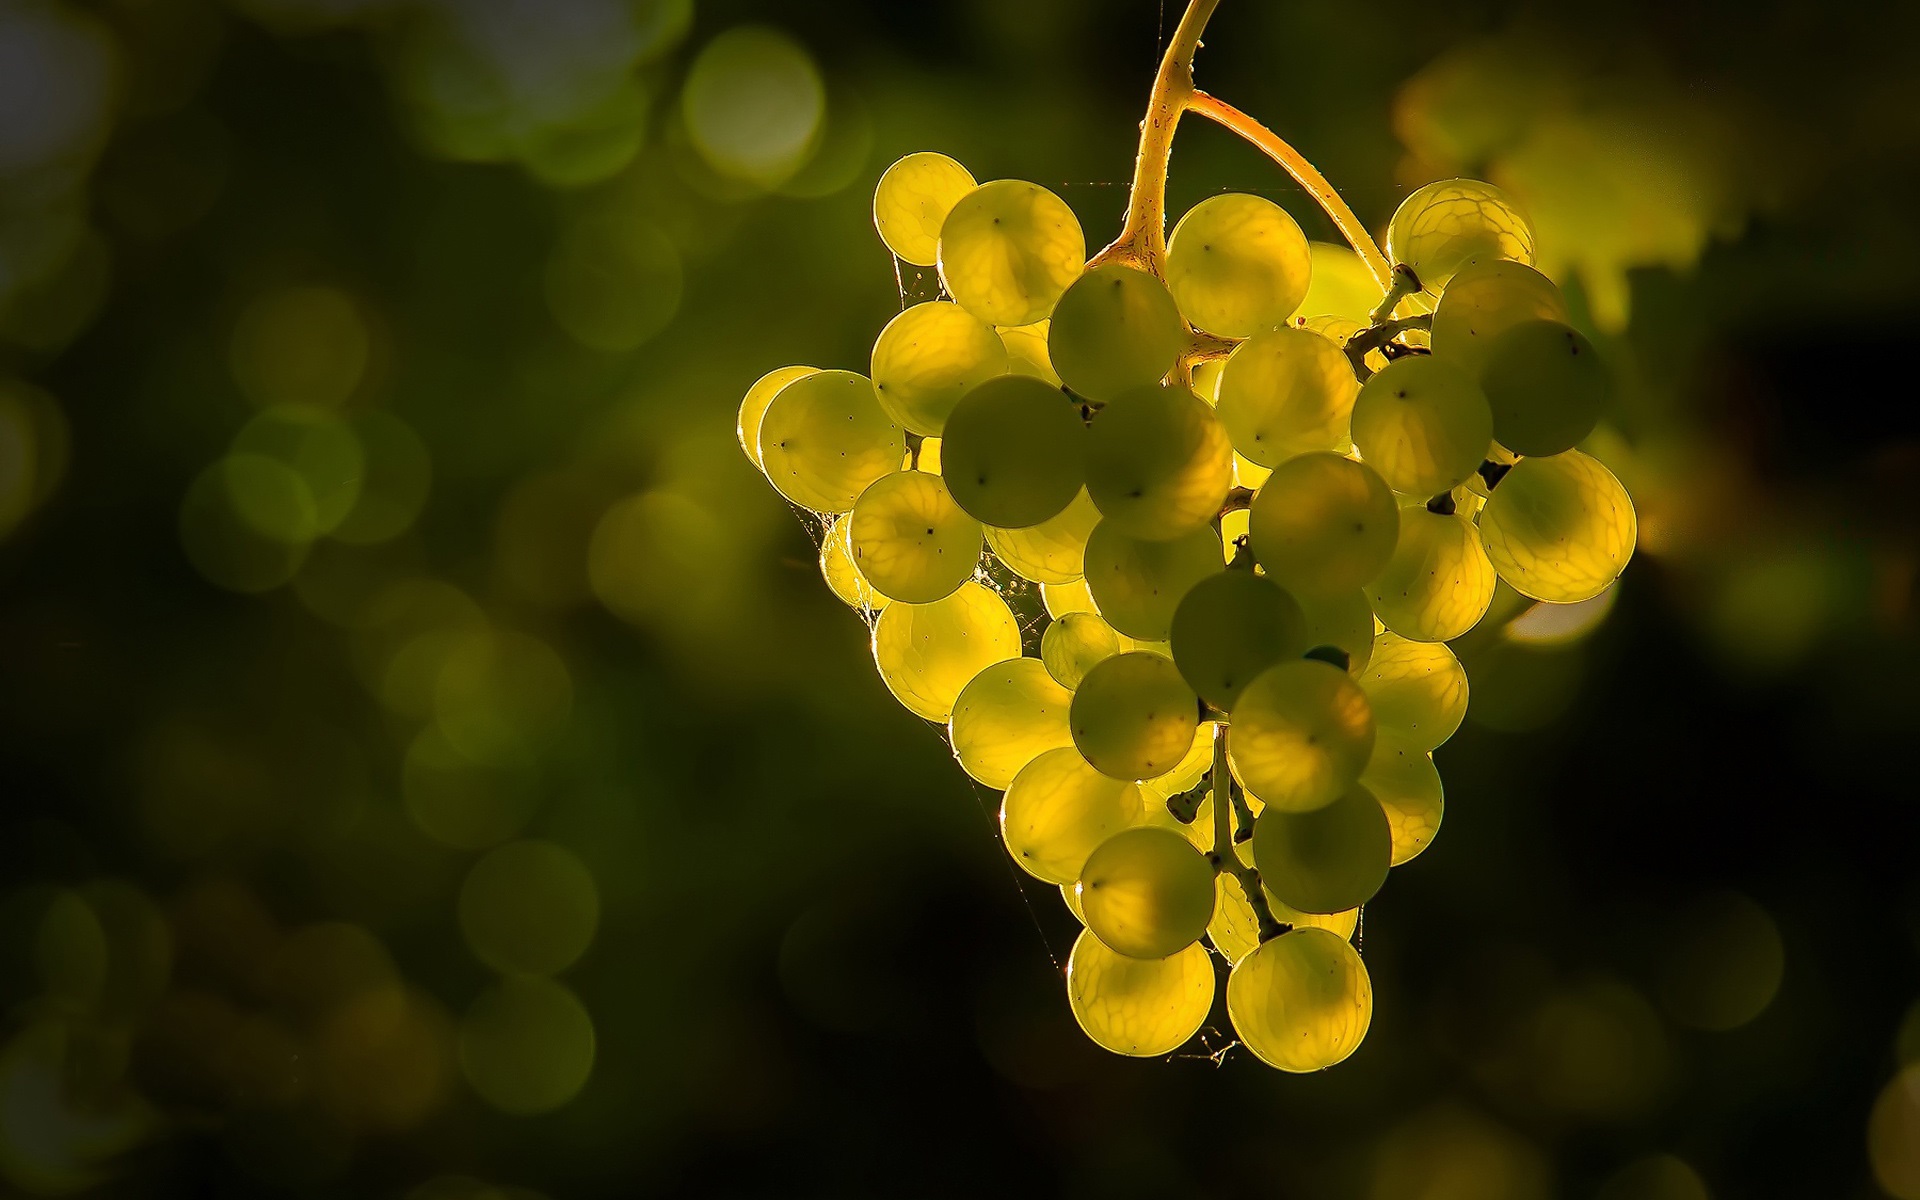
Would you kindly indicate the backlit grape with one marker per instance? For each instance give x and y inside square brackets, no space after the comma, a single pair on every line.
[1137,585]
[912,201]
[1238,264]
[1559,529]
[1546,385]
[1009,714]
[1301,1002]
[1229,628]
[1007,251]
[1146,893]
[1115,329]
[1425,426]
[1301,734]
[1138,1007]
[825,438]
[1439,582]
[1133,716]
[1445,225]
[910,540]
[928,652]
[1327,860]
[1158,462]
[1323,525]
[1287,391]
[928,357]
[1058,808]
[1014,452]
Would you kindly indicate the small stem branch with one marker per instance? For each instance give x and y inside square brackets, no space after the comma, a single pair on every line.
[1304,173]
[1225,857]
[1377,335]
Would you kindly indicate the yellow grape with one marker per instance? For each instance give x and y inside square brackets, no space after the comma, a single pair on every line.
[1052,552]
[1418,690]
[1137,585]
[1484,301]
[910,539]
[1014,452]
[1133,716]
[928,357]
[1344,620]
[1300,736]
[1006,716]
[1230,627]
[1323,525]
[928,652]
[1425,426]
[1158,462]
[754,406]
[1301,1002]
[1059,599]
[1116,328]
[1442,227]
[1070,894]
[1328,860]
[1402,777]
[1074,643]
[1206,378]
[1546,385]
[1057,809]
[1287,391]
[842,573]
[1198,761]
[1008,250]
[825,438]
[1248,474]
[1341,286]
[1440,581]
[1238,264]
[913,199]
[1027,351]
[1138,1007]
[1559,529]
[1146,892]
[1235,931]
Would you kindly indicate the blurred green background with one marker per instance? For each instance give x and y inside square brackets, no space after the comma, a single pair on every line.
[434,767]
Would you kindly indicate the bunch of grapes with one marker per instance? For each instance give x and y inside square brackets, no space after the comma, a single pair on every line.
[1254,529]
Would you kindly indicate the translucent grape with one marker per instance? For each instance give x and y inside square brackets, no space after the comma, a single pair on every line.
[1341,285]
[1344,620]
[1133,716]
[1070,894]
[1014,452]
[1052,552]
[1057,809]
[1446,225]
[1301,1002]
[928,652]
[1115,329]
[1300,737]
[928,357]
[1008,250]
[1546,385]
[1418,690]
[1248,474]
[1027,351]
[1558,529]
[1158,462]
[1328,860]
[1323,525]
[842,573]
[1287,391]
[825,438]
[1074,643]
[926,458]
[1235,931]
[912,201]
[1230,627]
[1059,599]
[1206,379]
[1425,426]
[1439,583]
[754,406]
[1147,892]
[1238,264]
[1134,1006]
[1198,762]
[1402,777]
[910,539]
[1009,714]
[1137,585]
[1484,301]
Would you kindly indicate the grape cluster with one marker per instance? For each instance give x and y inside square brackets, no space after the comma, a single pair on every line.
[1254,528]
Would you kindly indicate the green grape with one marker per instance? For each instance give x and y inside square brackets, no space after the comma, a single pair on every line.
[1057,809]
[1341,285]
[842,573]
[1158,462]
[1147,893]
[1137,585]
[1133,716]
[1074,643]
[1235,931]
[1052,552]
[1344,620]
[1439,583]
[1328,860]
[928,357]
[1249,474]
[912,201]
[1300,737]
[754,406]
[1014,452]
[1546,385]
[1287,391]
[1134,1006]
[1059,599]
[928,652]
[1484,301]
[1230,627]
[1446,225]
[1402,777]
[1008,250]
[1418,690]
[910,539]
[824,438]
[1116,329]
[1301,1002]
[1009,714]
[1027,351]
[1238,264]
[1558,529]
[1425,426]
[926,458]
[1323,525]
[1191,769]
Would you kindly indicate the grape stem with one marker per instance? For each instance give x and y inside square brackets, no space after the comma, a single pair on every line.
[1225,857]
[1378,335]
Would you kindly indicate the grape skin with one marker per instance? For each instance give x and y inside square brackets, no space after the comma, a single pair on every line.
[1301,734]
[1328,860]
[910,540]
[1115,328]
[1073,644]
[1238,264]
[825,438]
[928,357]
[1008,715]
[1404,780]
[1324,525]
[1445,225]
[912,201]
[1058,809]
[1052,552]
[1015,452]
[1418,690]
[928,652]
[1229,628]
[1141,1008]
[842,573]
[1547,387]
[1027,351]
[1440,581]
[1138,585]
[753,406]
[1134,717]
[1559,529]
[1008,250]
[1285,392]
[1158,462]
[1484,301]
[1302,1001]
[1146,893]
[1422,424]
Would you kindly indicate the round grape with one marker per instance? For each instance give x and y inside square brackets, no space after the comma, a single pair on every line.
[928,652]
[1230,627]
[1133,716]
[1147,893]
[910,539]
[1425,426]
[1484,301]
[1073,644]
[1323,525]
[754,406]
[1143,1008]
[1301,1002]
[825,438]
[1014,452]
[1158,462]
[1418,690]
[928,357]
[912,201]
[1341,286]
[1300,737]
[1008,250]
[1559,529]
[1439,583]
[1287,391]
[1137,585]
[1238,264]
[1404,780]
[1027,351]
[1057,809]
[1115,329]
[1328,860]
[1052,552]
[842,573]
[1009,714]
[1235,931]
[1547,387]
[1446,225]
[1344,621]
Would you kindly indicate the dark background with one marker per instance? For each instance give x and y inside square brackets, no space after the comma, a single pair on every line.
[232,959]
